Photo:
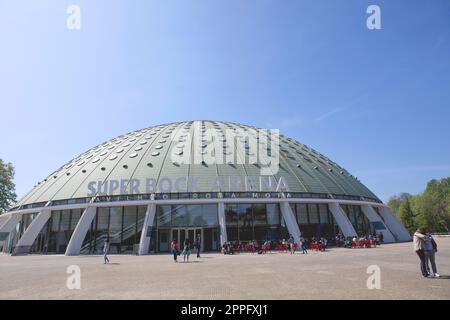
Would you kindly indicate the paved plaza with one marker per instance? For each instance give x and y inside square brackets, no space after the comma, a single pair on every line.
[336,274]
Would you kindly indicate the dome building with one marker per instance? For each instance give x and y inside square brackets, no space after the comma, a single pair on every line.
[223,181]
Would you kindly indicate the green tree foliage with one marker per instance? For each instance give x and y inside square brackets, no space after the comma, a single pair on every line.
[406,215]
[395,202]
[7,186]
[429,209]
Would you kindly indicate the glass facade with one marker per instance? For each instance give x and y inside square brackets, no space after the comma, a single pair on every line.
[14,236]
[203,215]
[245,222]
[261,222]
[122,226]
[315,220]
[360,223]
[25,222]
[180,222]
[55,235]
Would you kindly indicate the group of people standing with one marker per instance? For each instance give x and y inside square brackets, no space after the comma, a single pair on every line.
[303,244]
[288,244]
[342,241]
[426,248]
[187,245]
[174,246]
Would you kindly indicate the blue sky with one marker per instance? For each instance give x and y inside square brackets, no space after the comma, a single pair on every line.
[375,101]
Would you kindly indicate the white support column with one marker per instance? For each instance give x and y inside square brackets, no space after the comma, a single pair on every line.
[373,217]
[222,224]
[31,233]
[3,219]
[342,220]
[290,220]
[10,223]
[397,229]
[83,225]
[146,233]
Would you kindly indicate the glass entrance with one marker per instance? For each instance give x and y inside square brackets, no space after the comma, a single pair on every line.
[181,234]
[163,240]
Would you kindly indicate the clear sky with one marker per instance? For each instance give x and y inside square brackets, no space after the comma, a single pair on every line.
[375,101]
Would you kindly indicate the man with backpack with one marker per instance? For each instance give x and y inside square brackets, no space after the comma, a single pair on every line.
[430,250]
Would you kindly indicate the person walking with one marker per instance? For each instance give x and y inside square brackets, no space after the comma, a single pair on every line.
[174,246]
[324,243]
[337,239]
[372,240]
[419,248]
[198,245]
[186,250]
[430,249]
[303,245]
[381,237]
[377,239]
[105,252]
[291,244]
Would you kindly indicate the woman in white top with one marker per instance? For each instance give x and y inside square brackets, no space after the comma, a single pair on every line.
[419,248]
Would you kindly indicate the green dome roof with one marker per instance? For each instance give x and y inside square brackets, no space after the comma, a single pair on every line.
[148,154]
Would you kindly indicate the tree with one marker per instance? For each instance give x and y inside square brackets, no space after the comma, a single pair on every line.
[395,201]
[434,205]
[430,209]
[7,186]
[406,215]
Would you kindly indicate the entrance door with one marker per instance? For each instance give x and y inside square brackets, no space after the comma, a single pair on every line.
[163,240]
[215,239]
[180,234]
[210,239]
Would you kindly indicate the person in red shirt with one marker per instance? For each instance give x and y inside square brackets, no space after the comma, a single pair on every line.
[174,246]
